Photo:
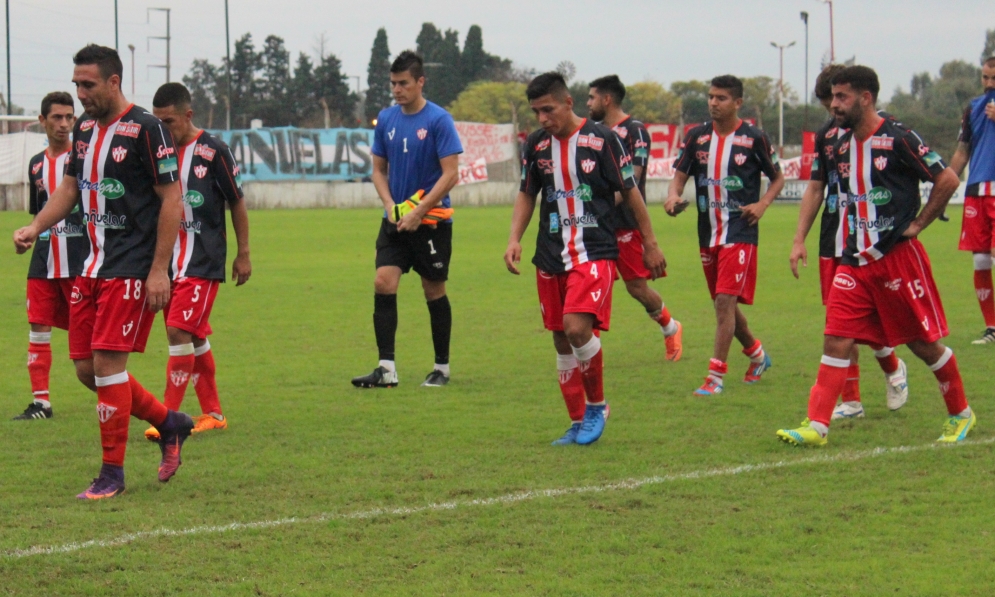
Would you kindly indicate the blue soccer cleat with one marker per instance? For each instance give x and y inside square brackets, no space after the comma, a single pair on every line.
[570,437]
[593,424]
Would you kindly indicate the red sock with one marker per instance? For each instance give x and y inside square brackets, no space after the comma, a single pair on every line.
[886,358]
[755,352]
[572,388]
[114,412]
[39,366]
[664,318]
[205,384]
[951,384]
[828,386]
[851,390]
[983,288]
[178,370]
[717,369]
[144,405]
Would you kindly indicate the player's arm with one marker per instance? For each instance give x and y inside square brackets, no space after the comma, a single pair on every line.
[944,186]
[521,215]
[450,176]
[811,200]
[58,206]
[241,267]
[929,167]
[960,158]
[382,186]
[653,257]
[170,214]
[765,153]
[675,204]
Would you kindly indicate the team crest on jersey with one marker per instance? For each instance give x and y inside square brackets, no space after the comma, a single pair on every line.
[595,143]
[81,148]
[37,167]
[881,162]
[883,143]
[545,165]
[844,147]
[119,153]
[86,125]
[844,168]
[422,133]
[178,378]
[588,166]
[621,131]
[923,150]
[702,157]
[128,129]
[704,139]
[831,132]
[205,152]
[200,171]
[742,141]
[740,159]
[542,145]
[105,412]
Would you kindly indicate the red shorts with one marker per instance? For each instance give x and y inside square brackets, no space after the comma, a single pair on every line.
[827,271]
[108,314]
[585,289]
[891,301]
[731,269]
[976,228]
[630,255]
[190,305]
[48,301]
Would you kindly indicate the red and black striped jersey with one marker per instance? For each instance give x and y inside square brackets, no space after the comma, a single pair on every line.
[880,176]
[726,172]
[578,177]
[116,169]
[637,142]
[60,250]
[210,178]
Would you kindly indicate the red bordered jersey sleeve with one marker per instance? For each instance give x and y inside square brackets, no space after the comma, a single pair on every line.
[764,150]
[914,153]
[616,164]
[225,175]
[531,176]
[639,146]
[686,161]
[158,153]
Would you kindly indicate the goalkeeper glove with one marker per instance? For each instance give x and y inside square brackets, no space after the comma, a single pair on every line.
[436,215]
[407,205]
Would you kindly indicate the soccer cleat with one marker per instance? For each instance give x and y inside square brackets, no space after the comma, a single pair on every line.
[956,428]
[593,424]
[898,387]
[435,379]
[675,347]
[380,378]
[988,337]
[711,387]
[803,436]
[570,437]
[755,370]
[847,410]
[34,411]
[207,423]
[170,445]
[103,487]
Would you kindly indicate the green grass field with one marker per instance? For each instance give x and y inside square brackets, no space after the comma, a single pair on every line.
[331,485]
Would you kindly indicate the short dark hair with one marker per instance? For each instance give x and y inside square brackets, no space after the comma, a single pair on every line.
[990,61]
[861,78]
[410,62]
[730,83]
[610,85]
[171,94]
[106,59]
[56,97]
[824,82]
[551,83]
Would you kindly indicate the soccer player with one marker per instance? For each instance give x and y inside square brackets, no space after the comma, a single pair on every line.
[209,180]
[415,151]
[883,292]
[578,166]
[604,103]
[726,157]
[123,174]
[976,143]
[825,183]
[58,254]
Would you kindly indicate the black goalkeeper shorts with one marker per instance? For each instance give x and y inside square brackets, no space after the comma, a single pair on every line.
[427,249]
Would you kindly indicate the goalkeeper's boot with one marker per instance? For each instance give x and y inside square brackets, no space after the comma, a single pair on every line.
[956,428]
[380,378]
[803,436]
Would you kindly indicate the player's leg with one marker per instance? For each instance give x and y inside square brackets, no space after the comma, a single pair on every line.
[440,314]
[385,328]
[651,300]
[39,368]
[976,236]
[205,384]
[586,348]
[752,348]
[851,406]
[571,386]
[725,325]
[179,368]
[738,277]
[895,376]
[986,297]
[943,364]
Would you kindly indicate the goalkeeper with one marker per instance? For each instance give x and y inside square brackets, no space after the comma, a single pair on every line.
[415,165]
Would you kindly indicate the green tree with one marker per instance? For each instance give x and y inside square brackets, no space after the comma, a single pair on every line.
[579,91]
[495,102]
[650,102]
[441,53]
[274,108]
[244,86]
[474,60]
[694,100]
[300,95]
[332,90]
[378,94]
[202,81]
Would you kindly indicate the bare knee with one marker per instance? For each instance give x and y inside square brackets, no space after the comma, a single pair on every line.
[561,343]
[578,328]
[178,337]
[84,373]
[434,289]
[387,280]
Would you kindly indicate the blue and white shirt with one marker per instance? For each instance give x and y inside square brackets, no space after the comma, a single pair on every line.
[978,132]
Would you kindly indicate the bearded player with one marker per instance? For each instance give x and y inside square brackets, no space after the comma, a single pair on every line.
[604,103]
[578,166]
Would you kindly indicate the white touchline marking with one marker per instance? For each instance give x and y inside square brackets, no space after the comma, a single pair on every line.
[504,499]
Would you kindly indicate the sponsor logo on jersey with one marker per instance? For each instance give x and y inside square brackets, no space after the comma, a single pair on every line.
[704,204]
[970,212]
[587,220]
[542,145]
[554,223]
[879,224]
[582,192]
[126,328]
[925,325]
[621,131]
[742,141]
[168,165]
[204,151]
[739,158]
[188,314]
[390,135]
[105,412]
[595,143]
[729,183]
[883,143]
[164,151]
[193,199]
[881,162]
[119,153]
[110,188]
[545,165]
[128,129]
[109,221]
[894,285]
[739,276]
[178,378]
[86,125]
[923,150]
[81,147]
[844,147]
[75,296]
[932,158]
[628,171]
[37,167]
[704,139]
[832,203]
[193,227]
[706,258]
[877,196]
[831,132]
[588,166]
[200,171]
[844,282]
[68,230]
[641,153]
[422,133]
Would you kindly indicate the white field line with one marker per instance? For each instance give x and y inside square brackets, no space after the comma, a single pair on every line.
[511,498]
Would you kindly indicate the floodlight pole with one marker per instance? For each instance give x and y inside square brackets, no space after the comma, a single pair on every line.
[228,69]
[115,26]
[832,44]
[8,63]
[780,98]
[167,38]
[132,48]
[808,94]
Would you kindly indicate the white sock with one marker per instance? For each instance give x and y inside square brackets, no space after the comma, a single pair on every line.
[388,365]
[586,353]
[819,427]
[670,329]
[965,413]
[43,402]
[181,350]
[444,369]
[40,337]
[204,349]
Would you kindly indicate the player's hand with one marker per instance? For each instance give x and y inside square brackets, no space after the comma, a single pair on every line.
[753,213]
[913,230]
[654,260]
[157,290]
[990,110]
[241,269]
[512,257]
[674,206]
[410,221]
[798,253]
[24,238]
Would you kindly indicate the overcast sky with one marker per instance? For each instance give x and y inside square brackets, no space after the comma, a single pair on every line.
[663,40]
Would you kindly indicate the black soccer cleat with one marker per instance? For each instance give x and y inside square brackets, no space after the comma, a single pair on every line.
[435,379]
[34,411]
[944,217]
[380,378]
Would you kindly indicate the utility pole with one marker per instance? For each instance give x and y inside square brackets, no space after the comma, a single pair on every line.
[132,48]
[780,99]
[8,64]
[808,94]
[228,69]
[167,38]
[115,25]
[832,44]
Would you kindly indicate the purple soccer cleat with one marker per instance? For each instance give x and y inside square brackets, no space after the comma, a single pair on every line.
[175,430]
[108,484]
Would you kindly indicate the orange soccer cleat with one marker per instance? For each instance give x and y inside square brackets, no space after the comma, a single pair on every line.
[208,422]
